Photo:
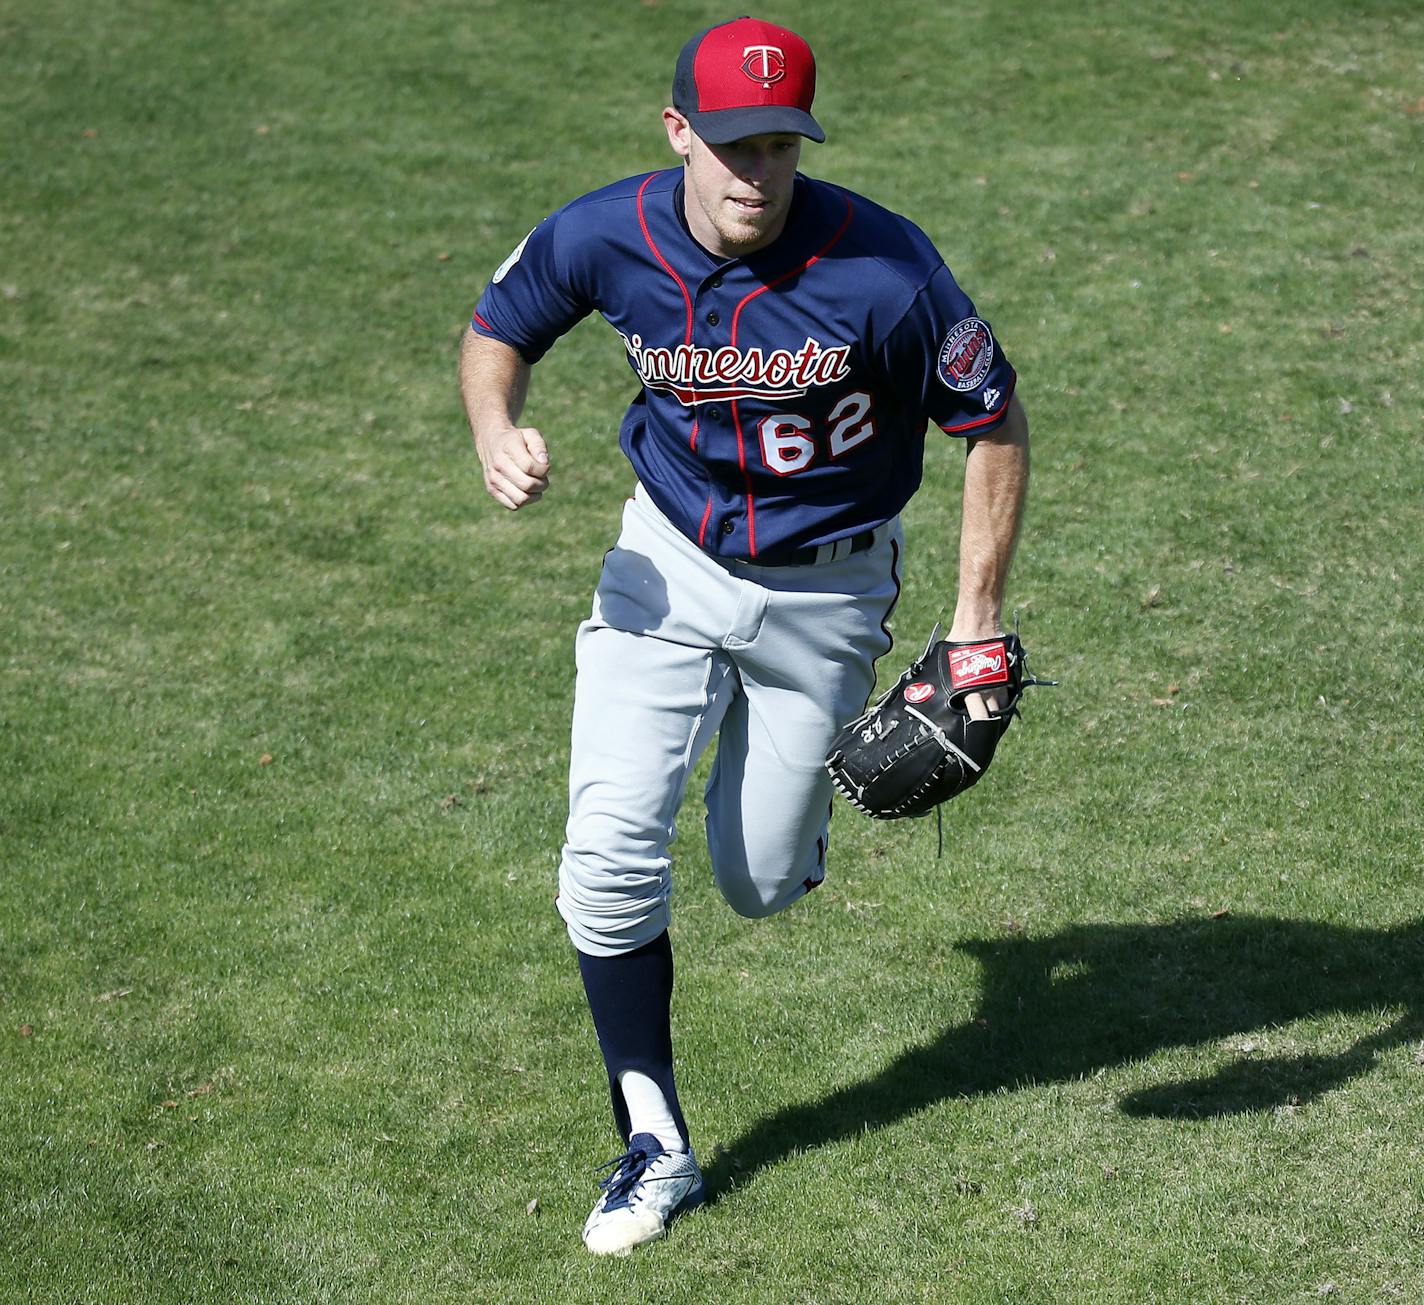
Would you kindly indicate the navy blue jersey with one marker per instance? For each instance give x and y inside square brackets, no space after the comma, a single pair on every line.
[784,395]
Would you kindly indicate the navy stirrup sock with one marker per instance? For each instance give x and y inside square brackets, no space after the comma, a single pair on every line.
[630,997]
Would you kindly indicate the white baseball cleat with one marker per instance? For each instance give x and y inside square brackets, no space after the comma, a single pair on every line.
[647,1188]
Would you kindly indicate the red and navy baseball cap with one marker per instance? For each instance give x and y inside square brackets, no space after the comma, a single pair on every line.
[744,78]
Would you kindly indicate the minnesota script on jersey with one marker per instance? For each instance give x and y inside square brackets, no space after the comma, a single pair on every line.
[785,395]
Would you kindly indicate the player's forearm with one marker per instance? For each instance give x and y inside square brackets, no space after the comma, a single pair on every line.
[995,484]
[494,382]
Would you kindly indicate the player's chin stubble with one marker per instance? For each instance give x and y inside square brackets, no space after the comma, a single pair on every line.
[739,229]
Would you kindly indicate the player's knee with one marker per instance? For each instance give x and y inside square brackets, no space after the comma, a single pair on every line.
[608,913]
[758,882]
[755,899]
[755,907]
[607,844]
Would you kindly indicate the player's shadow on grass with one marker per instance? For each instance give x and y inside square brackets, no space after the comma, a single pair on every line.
[1097,996]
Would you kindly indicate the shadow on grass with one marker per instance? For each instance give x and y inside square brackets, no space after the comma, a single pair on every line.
[1097,996]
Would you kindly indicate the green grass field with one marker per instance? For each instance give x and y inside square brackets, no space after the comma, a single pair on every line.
[286,1014]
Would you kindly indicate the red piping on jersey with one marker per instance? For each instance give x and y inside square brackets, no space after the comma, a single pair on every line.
[988,416]
[483,323]
[702,529]
[686,298]
[736,404]
[667,267]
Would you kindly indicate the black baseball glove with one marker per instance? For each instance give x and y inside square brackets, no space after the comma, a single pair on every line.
[918,746]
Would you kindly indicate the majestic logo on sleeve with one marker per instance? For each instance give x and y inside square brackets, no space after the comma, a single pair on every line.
[966,355]
[694,374]
[764,63]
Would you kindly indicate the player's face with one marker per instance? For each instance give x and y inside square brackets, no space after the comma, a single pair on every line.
[738,195]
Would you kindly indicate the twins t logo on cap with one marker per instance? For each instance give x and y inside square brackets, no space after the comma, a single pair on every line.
[746,78]
[764,63]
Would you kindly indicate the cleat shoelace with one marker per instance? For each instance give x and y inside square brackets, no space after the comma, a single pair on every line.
[628,1170]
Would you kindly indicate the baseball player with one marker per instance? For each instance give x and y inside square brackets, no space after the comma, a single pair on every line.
[792,343]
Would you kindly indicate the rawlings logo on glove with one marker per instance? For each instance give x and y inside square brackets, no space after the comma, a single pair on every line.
[978,664]
[918,746]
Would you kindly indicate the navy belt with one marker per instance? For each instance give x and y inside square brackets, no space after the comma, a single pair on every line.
[815,554]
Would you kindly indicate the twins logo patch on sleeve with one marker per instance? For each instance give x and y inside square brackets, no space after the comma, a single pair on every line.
[966,355]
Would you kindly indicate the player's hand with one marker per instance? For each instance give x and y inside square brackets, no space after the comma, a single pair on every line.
[987,702]
[516,465]
[981,706]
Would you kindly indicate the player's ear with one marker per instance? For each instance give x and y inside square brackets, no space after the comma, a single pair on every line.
[679,132]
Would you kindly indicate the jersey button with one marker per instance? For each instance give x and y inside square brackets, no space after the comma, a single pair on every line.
[714,414]
[715,283]
[713,318]
[728,527]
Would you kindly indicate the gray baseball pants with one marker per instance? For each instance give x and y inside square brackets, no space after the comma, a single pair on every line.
[682,647]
